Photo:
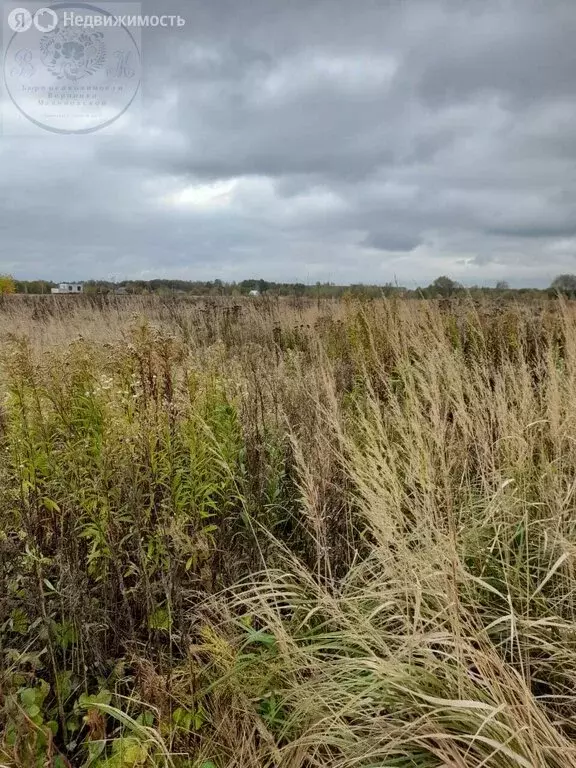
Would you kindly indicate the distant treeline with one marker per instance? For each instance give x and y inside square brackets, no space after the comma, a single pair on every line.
[442,286]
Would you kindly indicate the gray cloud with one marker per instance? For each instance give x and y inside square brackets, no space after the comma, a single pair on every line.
[384,241]
[324,140]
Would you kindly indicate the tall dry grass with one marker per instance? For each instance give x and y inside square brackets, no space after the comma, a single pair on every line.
[283,534]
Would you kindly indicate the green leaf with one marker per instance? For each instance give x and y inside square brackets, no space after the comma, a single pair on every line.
[53,725]
[51,505]
[182,718]
[160,619]
[65,634]
[19,621]
[145,718]
[199,719]
[72,724]
[132,752]
[88,702]
[209,529]
[28,697]
[64,684]
[95,749]
[42,691]
[262,638]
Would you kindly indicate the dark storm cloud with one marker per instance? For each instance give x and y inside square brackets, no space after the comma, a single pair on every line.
[321,140]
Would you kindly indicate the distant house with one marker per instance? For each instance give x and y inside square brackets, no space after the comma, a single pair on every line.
[69,288]
[254,293]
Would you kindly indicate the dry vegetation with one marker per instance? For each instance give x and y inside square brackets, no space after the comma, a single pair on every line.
[285,535]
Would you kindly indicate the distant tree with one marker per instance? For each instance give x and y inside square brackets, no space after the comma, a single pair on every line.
[217,288]
[33,286]
[502,285]
[299,289]
[444,286]
[7,284]
[565,284]
[248,285]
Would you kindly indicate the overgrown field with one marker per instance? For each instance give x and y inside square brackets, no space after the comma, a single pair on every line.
[285,535]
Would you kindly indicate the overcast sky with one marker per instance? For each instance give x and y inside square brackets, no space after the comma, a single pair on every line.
[305,140]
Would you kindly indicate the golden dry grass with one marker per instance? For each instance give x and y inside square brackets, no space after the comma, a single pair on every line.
[288,534]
